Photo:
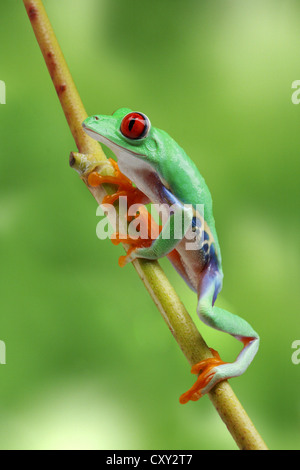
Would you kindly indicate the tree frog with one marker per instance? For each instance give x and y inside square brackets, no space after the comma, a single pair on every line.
[161,170]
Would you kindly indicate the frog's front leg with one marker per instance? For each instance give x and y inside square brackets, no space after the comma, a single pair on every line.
[124,185]
[108,172]
[214,370]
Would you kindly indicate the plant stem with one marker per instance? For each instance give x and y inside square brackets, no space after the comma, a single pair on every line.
[163,294]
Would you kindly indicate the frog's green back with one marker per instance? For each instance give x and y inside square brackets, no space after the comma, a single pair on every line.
[184,179]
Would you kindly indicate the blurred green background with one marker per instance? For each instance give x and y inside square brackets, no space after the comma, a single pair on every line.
[90,362]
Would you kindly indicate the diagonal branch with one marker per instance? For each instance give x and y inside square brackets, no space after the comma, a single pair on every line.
[163,294]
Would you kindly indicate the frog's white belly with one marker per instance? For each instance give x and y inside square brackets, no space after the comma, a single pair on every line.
[142,175]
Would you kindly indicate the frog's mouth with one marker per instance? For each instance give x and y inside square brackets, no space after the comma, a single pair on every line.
[93,134]
[117,149]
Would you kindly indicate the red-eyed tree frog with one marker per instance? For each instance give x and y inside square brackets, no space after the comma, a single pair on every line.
[164,174]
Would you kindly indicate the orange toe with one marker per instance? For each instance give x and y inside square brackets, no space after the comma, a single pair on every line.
[117,238]
[94,179]
[215,353]
[123,259]
[201,366]
[194,393]
[111,198]
[205,371]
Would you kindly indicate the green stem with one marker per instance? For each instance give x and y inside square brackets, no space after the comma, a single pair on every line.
[163,294]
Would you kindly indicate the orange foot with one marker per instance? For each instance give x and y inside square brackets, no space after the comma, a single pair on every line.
[125,187]
[133,243]
[204,369]
[134,196]
[138,242]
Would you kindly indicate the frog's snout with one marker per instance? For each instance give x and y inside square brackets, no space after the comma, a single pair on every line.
[92,120]
[89,124]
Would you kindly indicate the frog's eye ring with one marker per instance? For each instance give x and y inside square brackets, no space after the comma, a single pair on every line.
[135,126]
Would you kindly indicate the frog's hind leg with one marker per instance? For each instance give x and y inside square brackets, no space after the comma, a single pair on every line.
[214,370]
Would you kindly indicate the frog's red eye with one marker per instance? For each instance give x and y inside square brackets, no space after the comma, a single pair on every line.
[135,126]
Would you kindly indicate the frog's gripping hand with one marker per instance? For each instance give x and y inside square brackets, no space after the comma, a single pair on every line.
[214,370]
[126,189]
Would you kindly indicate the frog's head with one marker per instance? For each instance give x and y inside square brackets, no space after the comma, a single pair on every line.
[127,133]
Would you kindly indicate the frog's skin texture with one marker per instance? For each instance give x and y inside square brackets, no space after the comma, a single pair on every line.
[163,172]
